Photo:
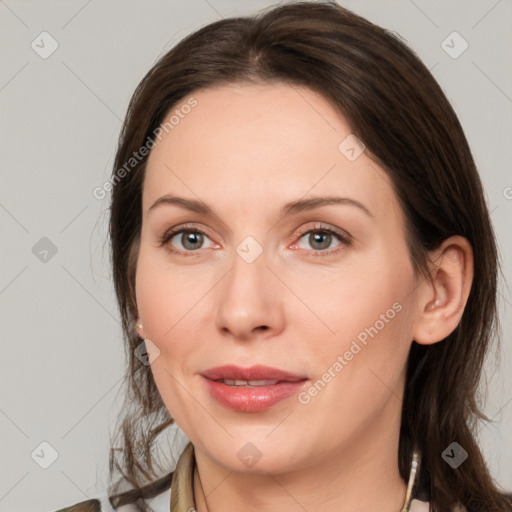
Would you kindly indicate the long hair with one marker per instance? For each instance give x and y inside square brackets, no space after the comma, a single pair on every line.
[396,108]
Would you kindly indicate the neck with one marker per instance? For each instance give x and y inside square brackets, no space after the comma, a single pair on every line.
[362,476]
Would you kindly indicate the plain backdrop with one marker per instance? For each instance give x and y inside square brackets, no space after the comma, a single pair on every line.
[62,356]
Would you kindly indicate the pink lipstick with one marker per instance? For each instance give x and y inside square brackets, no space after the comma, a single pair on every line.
[251,389]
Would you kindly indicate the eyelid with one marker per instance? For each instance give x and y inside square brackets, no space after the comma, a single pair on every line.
[320,226]
[343,237]
[169,234]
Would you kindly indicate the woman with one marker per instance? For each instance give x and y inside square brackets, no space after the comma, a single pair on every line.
[299,236]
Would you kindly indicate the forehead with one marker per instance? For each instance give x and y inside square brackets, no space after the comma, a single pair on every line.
[271,142]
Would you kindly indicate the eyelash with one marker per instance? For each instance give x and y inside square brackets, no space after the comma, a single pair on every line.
[344,239]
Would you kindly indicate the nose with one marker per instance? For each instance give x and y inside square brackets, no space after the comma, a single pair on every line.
[250,301]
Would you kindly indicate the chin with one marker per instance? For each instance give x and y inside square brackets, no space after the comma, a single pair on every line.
[257,454]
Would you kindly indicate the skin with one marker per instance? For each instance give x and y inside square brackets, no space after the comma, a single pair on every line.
[246,150]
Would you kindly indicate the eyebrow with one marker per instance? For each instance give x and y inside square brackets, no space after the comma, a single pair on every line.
[288,209]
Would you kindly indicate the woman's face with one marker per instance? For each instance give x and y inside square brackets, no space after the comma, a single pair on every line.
[266,273]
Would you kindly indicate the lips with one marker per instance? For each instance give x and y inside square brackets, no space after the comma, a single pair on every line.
[258,372]
[251,389]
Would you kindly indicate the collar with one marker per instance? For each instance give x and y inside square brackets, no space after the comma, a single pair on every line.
[417,498]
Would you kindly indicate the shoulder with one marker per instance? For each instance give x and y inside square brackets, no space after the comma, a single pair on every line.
[159,503]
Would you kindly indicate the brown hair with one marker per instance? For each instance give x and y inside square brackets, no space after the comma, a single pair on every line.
[397,109]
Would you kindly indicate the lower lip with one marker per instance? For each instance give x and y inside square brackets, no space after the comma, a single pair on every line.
[252,399]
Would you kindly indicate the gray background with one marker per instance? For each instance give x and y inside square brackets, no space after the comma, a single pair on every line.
[62,357]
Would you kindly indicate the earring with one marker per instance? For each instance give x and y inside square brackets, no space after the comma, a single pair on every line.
[139,324]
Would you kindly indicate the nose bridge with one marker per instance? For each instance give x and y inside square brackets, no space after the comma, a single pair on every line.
[248,297]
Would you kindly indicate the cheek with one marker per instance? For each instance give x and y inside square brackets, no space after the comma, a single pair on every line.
[166,304]
[366,332]
[167,298]
[355,302]
[371,336]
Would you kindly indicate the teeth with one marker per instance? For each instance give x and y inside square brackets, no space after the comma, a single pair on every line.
[248,383]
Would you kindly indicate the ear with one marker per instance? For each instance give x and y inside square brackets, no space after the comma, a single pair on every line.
[442,299]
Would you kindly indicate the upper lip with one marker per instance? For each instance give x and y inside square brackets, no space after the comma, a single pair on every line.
[258,372]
